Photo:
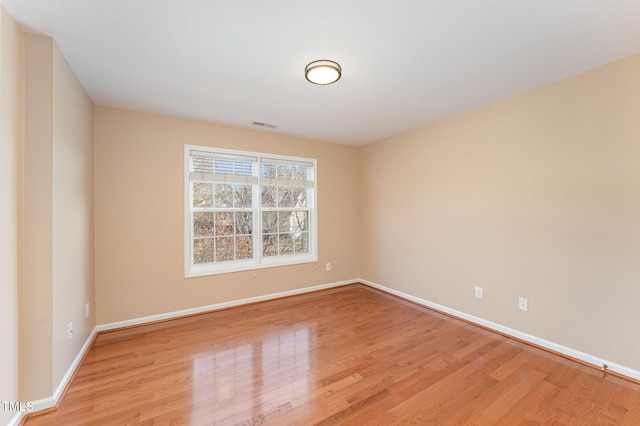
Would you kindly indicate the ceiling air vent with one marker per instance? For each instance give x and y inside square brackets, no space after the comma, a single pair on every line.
[261,124]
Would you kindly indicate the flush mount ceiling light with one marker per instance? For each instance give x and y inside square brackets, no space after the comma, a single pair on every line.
[323,72]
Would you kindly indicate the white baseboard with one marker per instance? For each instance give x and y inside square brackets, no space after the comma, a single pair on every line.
[52,401]
[572,353]
[17,419]
[218,306]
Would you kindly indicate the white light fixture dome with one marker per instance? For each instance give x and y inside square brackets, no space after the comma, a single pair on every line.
[323,72]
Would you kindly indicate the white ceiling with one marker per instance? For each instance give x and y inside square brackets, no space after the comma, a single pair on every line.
[405,63]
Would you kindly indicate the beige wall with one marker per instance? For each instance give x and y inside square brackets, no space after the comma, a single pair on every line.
[139,193]
[58,199]
[72,214]
[11,145]
[536,196]
[37,301]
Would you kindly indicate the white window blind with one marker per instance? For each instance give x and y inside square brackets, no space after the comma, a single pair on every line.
[287,173]
[212,167]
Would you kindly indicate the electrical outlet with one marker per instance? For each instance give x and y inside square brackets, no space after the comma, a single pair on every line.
[87,310]
[69,331]
[479,293]
[523,304]
[328,267]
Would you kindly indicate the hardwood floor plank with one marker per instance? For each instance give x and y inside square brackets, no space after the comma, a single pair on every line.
[520,410]
[351,355]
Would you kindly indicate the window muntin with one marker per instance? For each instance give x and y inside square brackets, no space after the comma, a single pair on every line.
[247,210]
[222,222]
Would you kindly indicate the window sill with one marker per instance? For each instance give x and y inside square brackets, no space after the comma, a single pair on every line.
[250,265]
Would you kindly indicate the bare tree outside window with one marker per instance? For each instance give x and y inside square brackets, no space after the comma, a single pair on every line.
[284,221]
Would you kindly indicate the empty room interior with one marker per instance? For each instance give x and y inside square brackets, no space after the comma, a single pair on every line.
[254,212]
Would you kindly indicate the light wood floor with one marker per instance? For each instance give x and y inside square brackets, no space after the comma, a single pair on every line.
[351,355]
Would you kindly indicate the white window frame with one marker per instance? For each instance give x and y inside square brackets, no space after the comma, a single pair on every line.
[258,261]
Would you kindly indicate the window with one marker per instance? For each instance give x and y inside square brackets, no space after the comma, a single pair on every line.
[246,210]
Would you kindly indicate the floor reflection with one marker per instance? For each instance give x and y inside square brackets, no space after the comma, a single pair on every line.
[255,377]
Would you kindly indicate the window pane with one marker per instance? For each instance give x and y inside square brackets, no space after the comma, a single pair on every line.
[244,223]
[284,222]
[244,248]
[299,173]
[242,196]
[224,224]
[299,221]
[285,171]
[203,250]
[302,243]
[285,197]
[224,249]
[202,164]
[269,196]
[202,195]
[242,168]
[202,224]
[223,166]
[300,197]
[224,196]
[269,222]
[268,170]
[270,245]
[286,244]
